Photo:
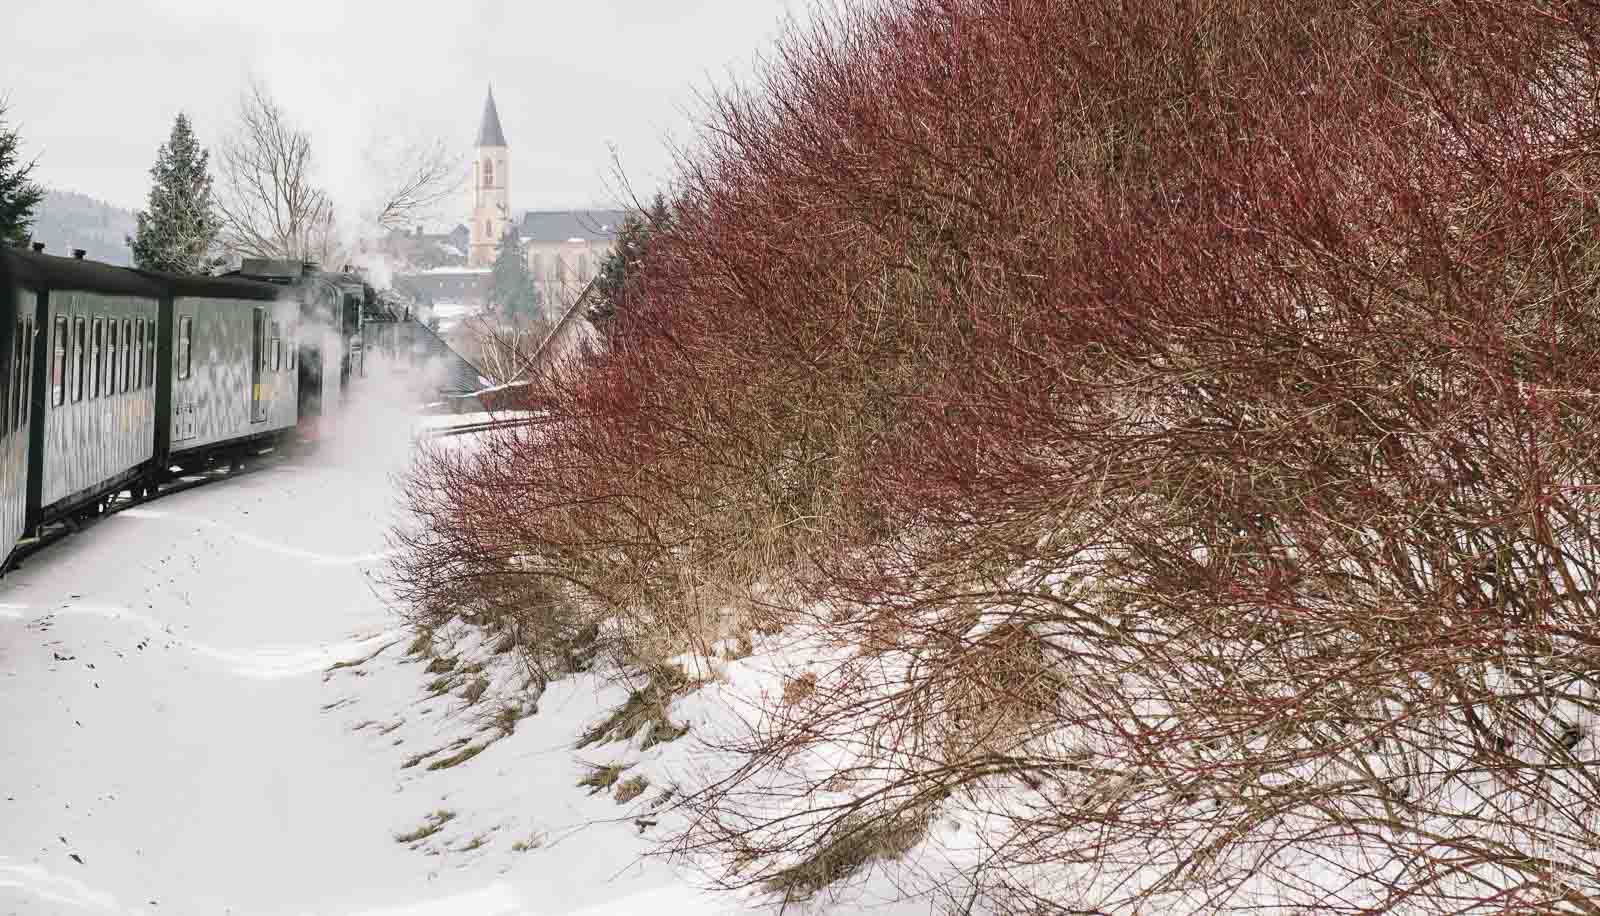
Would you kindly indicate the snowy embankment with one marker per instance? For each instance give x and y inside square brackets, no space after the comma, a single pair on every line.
[210,708]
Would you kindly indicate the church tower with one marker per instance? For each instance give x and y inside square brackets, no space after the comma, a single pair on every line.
[491,188]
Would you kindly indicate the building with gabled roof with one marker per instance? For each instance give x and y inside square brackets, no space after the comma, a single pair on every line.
[565,248]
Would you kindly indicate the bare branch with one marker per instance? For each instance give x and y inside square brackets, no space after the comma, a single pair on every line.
[270,204]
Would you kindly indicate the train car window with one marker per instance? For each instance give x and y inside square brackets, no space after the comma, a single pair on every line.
[16,378]
[58,368]
[14,400]
[130,368]
[127,352]
[258,333]
[119,382]
[97,357]
[113,359]
[27,370]
[27,359]
[150,353]
[80,363]
[277,347]
[185,331]
[8,390]
[24,382]
[138,353]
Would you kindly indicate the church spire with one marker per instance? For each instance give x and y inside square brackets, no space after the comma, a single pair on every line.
[491,189]
[489,132]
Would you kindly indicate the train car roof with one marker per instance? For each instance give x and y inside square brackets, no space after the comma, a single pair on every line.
[48,271]
[221,287]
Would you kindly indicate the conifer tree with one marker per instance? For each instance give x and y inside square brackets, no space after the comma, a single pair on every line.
[178,232]
[626,258]
[514,291]
[18,195]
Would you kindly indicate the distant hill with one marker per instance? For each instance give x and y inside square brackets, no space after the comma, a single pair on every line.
[66,220]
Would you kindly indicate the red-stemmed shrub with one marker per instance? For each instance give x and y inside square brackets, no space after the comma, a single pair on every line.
[1177,420]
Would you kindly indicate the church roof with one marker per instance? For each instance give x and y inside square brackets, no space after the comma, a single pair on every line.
[569,225]
[489,132]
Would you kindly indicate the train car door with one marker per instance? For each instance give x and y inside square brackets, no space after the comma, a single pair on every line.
[258,356]
[185,423]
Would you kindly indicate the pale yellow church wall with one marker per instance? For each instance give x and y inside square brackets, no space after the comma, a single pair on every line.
[562,269]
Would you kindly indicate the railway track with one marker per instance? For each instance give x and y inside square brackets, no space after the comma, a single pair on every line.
[448,431]
[61,529]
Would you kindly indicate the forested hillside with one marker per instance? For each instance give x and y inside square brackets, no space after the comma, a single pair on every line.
[68,220]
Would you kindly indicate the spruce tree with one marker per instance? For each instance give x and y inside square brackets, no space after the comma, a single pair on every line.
[626,258]
[18,195]
[514,291]
[178,232]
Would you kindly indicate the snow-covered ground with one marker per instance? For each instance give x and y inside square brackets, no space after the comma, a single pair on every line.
[174,741]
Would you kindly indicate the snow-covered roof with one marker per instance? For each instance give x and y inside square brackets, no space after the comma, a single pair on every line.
[571,225]
[454,309]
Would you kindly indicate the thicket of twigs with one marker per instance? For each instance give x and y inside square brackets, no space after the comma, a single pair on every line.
[1183,414]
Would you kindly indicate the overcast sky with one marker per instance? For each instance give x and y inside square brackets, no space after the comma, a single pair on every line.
[94,84]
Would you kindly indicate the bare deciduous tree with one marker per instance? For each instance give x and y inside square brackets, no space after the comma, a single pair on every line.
[503,349]
[270,203]
[417,175]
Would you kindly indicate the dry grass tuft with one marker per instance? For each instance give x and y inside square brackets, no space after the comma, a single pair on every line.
[508,714]
[459,757]
[1001,687]
[418,758]
[358,662]
[602,777]
[422,645]
[645,707]
[630,789]
[796,689]
[534,841]
[477,842]
[854,844]
[431,826]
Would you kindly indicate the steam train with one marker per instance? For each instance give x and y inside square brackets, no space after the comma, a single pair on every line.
[114,379]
